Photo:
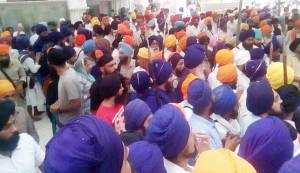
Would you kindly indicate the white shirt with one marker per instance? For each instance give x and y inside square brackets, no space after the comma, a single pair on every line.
[33,39]
[246,121]
[115,55]
[191,30]
[138,68]
[25,158]
[188,109]
[14,54]
[232,27]
[232,126]
[212,79]
[173,168]
[242,81]
[296,142]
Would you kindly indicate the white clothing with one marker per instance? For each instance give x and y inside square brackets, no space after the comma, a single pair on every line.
[191,30]
[14,54]
[173,168]
[167,54]
[239,48]
[110,38]
[33,39]
[232,27]
[246,120]
[15,34]
[81,55]
[88,26]
[296,142]
[223,126]
[25,158]
[137,69]
[188,109]
[212,79]
[242,81]
[115,55]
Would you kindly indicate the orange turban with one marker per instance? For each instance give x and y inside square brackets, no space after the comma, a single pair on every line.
[266,29]
[207,19]
[253,13]
[227,73]
[130,32]
[157,55]
[80,39]
[185,85]
[182,43]
[128,40]
[6,86]
[126,23]
[4,49]
[122,29]
[224,57]
[98,54]
[263,23]
[201,34]
[180,34]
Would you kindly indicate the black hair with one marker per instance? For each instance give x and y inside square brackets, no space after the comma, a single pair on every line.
[56,57]
[110,85]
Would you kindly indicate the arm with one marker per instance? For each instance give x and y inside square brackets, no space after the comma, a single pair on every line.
[31,65]
[73,105]
[31,128]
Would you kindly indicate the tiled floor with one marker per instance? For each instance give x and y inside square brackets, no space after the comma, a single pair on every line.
[44,130]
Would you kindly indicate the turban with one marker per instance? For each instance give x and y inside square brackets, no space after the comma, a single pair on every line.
[179,24]
[184,87]
[182,43]
[223,23]
[242,57]
[162,70]
[88,46]
[22,42]
[4,49]
[122,29]
[5,34]
[258,33]
[266,29]
[194,56]
[80,39]
[225,100]
[180,34]
[86,33]
[134,117]
[259,102]
[244,35]
[65,30]
[276,45]
[195,19]
[140,81]
[98,54]
[207,19]
[159,39]
[276,77]
[199,93]
[267,144]
[257,54]
[222,160]
[126,23]
[128,40]
[224,57]
[255,19]
[170,41]
[185,20]
[249,21]
[244,27]
[91,144]
[191,41]
[174,59]
[126,49]
[151,22]
[294,44]
[69,52]
[104,60]
[5,87]
[7,109]
[291,166]
[146,158]
[263,23]
[55,36]
[40,28]
[256,69]
[297,23]
[152,38]
[262,15]
[169,129]
[143,53]
[157,55]
[289,95]
[227,73]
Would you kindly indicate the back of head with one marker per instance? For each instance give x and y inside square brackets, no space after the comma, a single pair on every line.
[69,52]
[22,42]
[275,74]
[140,81]
[256,70]
[56,57]
[199,93]
[224,57]
[110,85]
[194,56]
[290,96]
[291,166]
[225,100]
[7,109]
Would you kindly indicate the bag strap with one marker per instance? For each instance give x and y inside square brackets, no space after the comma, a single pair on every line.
[8,78]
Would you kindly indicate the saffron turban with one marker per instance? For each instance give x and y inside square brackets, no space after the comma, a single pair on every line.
[182,43]
[276,77]
[199,93]
[225,100]
[185,85]
[180,34]
[122,29]
[227,74]
[4,49]
[128,40]
[266,29]
[224,57]
[80,39]
[256,69]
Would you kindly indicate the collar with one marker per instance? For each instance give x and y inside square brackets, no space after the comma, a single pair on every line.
[209,122]
[227,124]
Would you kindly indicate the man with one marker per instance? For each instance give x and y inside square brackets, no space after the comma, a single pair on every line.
[107,66]
[111,108]
[209,29]
[258,39]
[247,41]
[170,45]
[142,60]
[18,152]
[34,37]
[266,31]
[42,32]
[232,25]
[58,39]
[155,44]
[293,60]
[126,64]
[101,42]
[227,74]
[152,27]
[192,29]
[171,132]
[277,50]
[164,79]
[11,69]
[240,60]
[68,104]
[292,34]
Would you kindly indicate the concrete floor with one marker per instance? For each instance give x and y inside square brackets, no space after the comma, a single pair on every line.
[44,130]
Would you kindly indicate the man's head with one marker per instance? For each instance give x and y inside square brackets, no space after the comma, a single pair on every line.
[241,59]
[111,86]
[247,39]
[125,52]
[56,38]
[22,42]
[177,63]
[163,74]
[290,24]
[4,56]
[227,74]
[276,49]
[231,17]
[42,31]
[255,70]
[290,96]
[56,58]
[170,42]
[7,90]
[143,58]
[140,81]
[52,25]
[258,38]
[9,135]
[107,65]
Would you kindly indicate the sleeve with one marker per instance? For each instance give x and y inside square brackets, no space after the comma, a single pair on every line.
[39,154]
[31,127]
[31,65]
[22,73]
[73,88]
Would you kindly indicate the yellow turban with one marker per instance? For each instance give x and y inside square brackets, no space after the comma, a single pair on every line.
[207,19]
[94,19]
[170,41]
[276,77]
[5,34]
[182,43]
[143,53]
[5,87]
[95,22]
[244,26]
[180,34]
[227,73]
[222,161]
[224,57]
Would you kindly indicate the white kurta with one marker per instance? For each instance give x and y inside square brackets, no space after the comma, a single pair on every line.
[242,81]
[173,168]
[212,79]
[223,126]
[191,30]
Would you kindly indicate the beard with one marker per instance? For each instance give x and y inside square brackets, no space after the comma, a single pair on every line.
[169,86]
[178,72]
[9,145]
[248,47]
[5,63]
[209,27]
[43,38]
[120,99]
[123,60]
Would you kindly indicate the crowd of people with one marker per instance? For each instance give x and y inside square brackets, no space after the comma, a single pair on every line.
[153,92]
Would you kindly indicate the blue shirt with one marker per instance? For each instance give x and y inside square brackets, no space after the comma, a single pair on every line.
[208,127]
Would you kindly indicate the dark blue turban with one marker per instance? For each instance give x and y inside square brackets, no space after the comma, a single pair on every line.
[257,53]
[256,69]
[84,144]
[246,34]
[55,36]
[191,41]
[291,166]
[194,56]
[199,93]
[69,52]
[40,28]
[276,45]
[162,70]
[64,29]
[223,23]
[140,81]
[225,100]
[22,42]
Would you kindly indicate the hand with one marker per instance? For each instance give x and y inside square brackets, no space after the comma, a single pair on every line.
[19,87]
[232,141]
[202,142]
[38,56]
[54,108]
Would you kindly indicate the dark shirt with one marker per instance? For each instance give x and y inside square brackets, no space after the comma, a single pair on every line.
[39,45]
[149,96]
[178,94]
[131,137]
[165,97]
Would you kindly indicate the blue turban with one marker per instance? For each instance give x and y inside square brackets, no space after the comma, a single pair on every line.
[199,93]
[260,97]
[152,38]
[69,52]
[258,33]
[91,145]
[136,112]
[194,56]
[191,41]
[257,54]
[223,23]
[249,20]
[169,129]
[55,36]
[146,158]
[246,34]
[158,38]
[126,49]
[22,42]
[267,144]
[256,69]
[40,28]
[179,23]
[162,70]
[174,59]
[276,45]
[140,81]
[65,30]
[151,22]
[291,166]
[88,46]
[87,33]
[225,100]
